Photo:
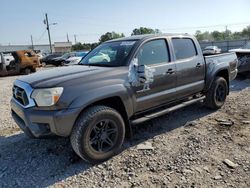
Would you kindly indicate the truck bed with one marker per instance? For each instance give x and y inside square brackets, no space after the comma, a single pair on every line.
[224,57]
[220,60]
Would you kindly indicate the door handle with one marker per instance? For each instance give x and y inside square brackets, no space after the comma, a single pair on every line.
[198,65]
[170,71]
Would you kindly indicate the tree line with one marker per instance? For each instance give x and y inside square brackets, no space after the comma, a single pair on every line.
[224,35]
[113,35]
[201,36]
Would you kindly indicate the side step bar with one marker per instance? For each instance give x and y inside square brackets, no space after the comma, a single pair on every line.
[165,111]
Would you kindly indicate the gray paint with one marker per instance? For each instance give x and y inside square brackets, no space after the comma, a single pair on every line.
[84,85]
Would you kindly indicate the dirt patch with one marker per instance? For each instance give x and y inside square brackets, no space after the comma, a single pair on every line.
[187,149]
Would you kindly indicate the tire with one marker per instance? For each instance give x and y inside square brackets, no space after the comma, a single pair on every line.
[217,94]
[29,134]
[43,64]
[27,71]
[33,70]
[93,126]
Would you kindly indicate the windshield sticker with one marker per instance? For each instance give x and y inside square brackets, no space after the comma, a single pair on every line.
[127,43]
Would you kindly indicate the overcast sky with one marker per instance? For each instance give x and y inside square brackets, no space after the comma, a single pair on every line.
[90,18]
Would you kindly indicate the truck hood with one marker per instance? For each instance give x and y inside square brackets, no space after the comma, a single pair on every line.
[57,76]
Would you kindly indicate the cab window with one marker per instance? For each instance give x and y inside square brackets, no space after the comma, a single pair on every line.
[184,48]
[153,52]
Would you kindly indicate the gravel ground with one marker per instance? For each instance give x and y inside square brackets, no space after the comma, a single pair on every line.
[186,148]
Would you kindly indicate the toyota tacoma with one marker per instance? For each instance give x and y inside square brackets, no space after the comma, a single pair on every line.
[98,101]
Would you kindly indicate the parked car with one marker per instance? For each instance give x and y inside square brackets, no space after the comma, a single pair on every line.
[46,59]
[243,55]
[211,50]
[25,62]
[59,61]
[75,60]
[97,102]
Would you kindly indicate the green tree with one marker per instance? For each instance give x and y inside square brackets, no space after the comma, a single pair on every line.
[144,30]
[110,35]
[224,35]
[198,35]
[203,36]
[84,46]
[217,36]
[246,32]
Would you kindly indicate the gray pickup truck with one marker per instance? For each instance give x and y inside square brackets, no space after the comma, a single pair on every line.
[118,84]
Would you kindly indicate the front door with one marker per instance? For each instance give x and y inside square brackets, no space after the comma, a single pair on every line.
[155,55]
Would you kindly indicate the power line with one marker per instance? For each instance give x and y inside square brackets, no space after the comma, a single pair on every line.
[42,35]
[208,26]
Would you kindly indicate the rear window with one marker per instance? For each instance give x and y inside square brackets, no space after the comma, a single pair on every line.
[184,48]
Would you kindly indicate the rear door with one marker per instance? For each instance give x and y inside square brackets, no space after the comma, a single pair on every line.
[190,67]
[155,54]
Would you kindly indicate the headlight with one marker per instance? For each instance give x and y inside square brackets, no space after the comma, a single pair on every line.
[47,97]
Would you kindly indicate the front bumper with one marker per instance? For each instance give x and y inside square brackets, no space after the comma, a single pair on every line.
[233,74]
[42,122]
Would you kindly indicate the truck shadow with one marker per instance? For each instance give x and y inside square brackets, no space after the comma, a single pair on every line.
[240,83]
[186,116]
[44,162]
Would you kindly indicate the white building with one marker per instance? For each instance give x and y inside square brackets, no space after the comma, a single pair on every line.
[44,48]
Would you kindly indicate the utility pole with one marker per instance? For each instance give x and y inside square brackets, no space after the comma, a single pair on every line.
[47,23]
[32,45]
[226,33]
[75,39]
[67,37]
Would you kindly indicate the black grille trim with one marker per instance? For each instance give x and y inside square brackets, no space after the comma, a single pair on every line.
[20,95]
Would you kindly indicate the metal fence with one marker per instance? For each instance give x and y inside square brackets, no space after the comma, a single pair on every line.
[225,45]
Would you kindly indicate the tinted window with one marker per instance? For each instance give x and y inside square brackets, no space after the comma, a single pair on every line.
[153,52]
[184,48]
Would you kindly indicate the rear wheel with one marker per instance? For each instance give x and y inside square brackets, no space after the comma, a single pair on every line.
[217,94]
[98,134]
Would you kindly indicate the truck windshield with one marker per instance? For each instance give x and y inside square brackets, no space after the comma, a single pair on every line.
[110,54]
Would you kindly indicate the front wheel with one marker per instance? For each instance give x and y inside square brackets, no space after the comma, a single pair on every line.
[98,134]
[27,71]
[217,94]
[43,64]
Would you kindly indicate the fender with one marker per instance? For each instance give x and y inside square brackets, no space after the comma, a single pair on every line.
[105,92]
[212,75]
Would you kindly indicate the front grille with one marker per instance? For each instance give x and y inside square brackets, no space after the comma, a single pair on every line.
[20,95]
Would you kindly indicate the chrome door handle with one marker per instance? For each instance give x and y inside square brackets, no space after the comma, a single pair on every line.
[198,65]
[170,71]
